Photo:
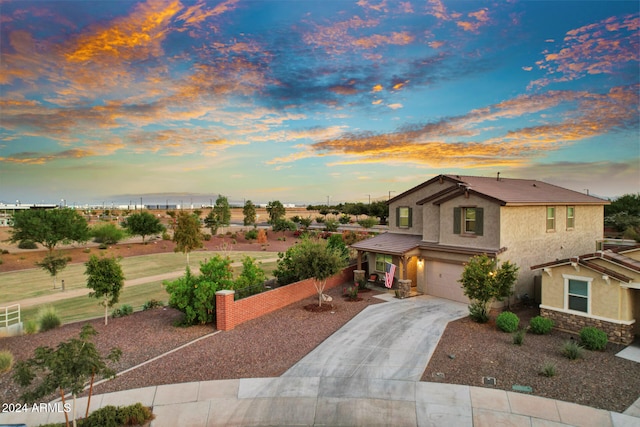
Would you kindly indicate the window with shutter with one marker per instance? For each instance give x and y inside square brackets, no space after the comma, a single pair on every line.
[457,220]
[404,217]
[468,221]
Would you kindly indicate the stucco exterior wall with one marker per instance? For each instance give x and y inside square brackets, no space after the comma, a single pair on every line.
[523,232]
[407,201]
[608,300]
[490,238]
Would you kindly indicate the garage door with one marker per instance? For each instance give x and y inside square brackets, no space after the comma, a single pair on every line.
[442,281]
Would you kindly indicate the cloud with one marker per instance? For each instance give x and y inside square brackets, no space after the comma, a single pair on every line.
[439,144]
[605,47]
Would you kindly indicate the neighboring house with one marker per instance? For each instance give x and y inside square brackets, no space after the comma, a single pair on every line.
[600,289]
[435,227]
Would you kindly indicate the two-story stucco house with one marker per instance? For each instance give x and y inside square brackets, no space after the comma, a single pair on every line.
[435,227]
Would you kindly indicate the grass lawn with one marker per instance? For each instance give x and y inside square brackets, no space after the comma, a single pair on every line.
[23,284]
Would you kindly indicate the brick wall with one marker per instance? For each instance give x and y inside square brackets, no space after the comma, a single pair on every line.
[230,313]
[619,334]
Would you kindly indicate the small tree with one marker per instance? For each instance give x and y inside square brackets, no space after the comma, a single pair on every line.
[106,279]
[276,210]
[187,235]
[249,212]
[379,209]
[219,216]
[143,224]
[49,227]
[483,281]
[311,259]
[367,222]
[54,264]
[251,274]
[67,368]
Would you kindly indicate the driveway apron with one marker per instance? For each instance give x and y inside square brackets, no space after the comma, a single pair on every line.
[392,341]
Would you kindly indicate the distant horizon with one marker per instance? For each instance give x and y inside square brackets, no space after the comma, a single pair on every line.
[309,101]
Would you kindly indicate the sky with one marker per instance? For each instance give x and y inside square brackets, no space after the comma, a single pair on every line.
[313,101]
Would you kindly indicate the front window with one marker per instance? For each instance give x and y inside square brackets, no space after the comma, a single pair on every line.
[470,220]
[403,213]
[381,260]
[571,216]
[577,294]
[551,218]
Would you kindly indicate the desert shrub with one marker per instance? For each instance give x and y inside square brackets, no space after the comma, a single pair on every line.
[477,313]
[206,236]
[507,321]
[103,246]
[331,225]
[107,233]
[165,235]
[1,261]
[133,415]
[540,325]
[345,219]
[251,234]
[4,252]
[283,224]
[195,295]
[152,303]
[6,361]
[368,222]
[262,236]
[518,336]
[123,310]
[27,244]
[351,292]
[48,319]
[593,338]
[30,327]
[548,369]
[104,417]
[571,350]
[319,219]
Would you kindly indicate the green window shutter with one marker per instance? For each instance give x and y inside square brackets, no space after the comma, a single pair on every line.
[457,220]
[397,217]
[410,217]
[479,221]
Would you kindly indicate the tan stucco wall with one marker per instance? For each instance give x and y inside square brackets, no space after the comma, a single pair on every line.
[523,233]
[490,238]
[416,215]
[635,294]
[608,301]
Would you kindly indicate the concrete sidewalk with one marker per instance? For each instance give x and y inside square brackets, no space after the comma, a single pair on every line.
[316,401]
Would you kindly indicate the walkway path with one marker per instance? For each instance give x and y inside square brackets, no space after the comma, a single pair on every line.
[45,299]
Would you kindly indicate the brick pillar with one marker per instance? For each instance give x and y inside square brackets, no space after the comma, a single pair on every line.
[225,318]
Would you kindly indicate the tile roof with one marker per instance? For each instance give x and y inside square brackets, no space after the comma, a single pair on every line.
[389,243]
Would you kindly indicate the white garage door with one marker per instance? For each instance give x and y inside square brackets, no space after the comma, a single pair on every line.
[442,281]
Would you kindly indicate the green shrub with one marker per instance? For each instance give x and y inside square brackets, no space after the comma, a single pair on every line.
[152,303]
[134,415]
[507,321]
[1,261]
[572,350]
[319,219]
[251,234]
[368,222]
[27,244]
[107,233]
[123,310]
[5,252]
[48,319]
[30,327]
[540,325]
[6,361]
[165,235]
[331,225]
[548,369]
[593,338]
[104,417]
[478,313]
[206,237]
[518,336]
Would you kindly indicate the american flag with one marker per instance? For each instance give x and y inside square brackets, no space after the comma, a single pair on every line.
[390,270]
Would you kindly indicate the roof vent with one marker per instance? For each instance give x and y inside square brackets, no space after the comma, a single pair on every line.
[498,177]
[534,184]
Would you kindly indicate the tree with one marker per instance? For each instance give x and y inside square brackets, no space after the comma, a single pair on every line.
[106,279]
[187,234]
[219,216]
[195,296]
[483,281]
[624,214]
[249,212]
[49,227]
[310,259]
[54,264]
[67,368]
[143,224]
[379,209]
[107,233]
[276,210]
[251,274]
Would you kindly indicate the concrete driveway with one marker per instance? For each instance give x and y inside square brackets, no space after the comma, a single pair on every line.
[392,341]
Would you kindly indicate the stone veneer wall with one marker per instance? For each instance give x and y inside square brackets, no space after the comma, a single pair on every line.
[617,333]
